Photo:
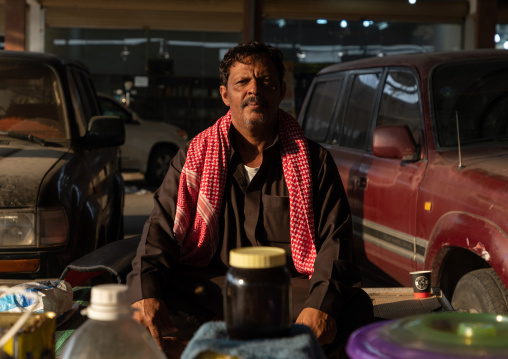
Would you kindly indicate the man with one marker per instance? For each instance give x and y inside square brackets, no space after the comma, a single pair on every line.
[250,179]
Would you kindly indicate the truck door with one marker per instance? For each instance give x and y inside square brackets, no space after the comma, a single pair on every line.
[387,218]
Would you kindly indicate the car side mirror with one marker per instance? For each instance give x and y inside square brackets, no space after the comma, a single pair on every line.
[105,131]
[394,142]
[128,119]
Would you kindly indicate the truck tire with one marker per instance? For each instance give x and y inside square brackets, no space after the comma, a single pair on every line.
[480,291]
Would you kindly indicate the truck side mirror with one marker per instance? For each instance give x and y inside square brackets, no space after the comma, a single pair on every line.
[105,131]
[394,142]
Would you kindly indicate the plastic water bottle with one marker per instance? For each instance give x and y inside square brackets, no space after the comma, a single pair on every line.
[110,331]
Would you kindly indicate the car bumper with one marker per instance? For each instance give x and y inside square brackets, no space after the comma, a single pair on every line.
[29,265]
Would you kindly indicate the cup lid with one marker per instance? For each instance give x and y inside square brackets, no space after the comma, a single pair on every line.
[448,335]
[257,257]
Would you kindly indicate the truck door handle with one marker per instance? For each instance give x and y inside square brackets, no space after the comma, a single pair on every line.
[363,182]
[360,183]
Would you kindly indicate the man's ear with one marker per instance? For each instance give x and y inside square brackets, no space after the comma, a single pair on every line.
[224,94]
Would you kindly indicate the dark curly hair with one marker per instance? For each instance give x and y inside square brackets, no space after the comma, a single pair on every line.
[254,50]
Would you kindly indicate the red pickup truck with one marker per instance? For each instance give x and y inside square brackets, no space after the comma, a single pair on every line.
[421,144]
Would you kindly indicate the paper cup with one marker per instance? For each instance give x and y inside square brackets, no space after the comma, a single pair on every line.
[421,283]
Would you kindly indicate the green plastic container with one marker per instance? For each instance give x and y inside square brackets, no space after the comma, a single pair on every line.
[437,336]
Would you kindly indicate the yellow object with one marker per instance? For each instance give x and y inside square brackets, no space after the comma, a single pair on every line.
[213,355]
[36,339]
[257,257]
[469,330]
[428,206]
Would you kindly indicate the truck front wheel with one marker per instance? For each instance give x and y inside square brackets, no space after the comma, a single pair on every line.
[480,291]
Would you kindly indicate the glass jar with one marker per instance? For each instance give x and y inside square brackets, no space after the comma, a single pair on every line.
[257,294]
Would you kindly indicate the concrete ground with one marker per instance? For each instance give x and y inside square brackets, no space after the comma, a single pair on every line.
[138,203]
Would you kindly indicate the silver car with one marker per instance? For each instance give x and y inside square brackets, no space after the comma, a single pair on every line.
[149,145]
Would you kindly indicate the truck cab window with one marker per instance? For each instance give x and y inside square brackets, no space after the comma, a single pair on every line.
[359,112]
[400,103]
[320,109]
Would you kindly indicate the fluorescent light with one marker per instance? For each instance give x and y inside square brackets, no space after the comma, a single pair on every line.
[322,21]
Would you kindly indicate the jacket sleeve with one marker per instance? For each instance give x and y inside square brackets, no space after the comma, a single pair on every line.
[158,251]
[334,270]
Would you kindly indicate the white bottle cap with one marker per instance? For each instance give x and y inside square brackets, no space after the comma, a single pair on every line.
[109,302]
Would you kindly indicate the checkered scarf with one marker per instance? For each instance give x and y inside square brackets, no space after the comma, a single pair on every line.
[202,183]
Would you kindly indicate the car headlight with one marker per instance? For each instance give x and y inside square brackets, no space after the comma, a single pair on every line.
[183,134]
[19,228]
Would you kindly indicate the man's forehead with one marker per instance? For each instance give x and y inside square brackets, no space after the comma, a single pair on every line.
[253,61]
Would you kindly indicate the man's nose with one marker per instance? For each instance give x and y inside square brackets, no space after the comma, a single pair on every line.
[254,87]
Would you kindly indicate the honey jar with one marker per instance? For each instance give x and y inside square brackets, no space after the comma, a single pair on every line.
[257,294]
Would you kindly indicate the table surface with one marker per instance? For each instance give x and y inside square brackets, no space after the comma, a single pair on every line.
[393,303]
[389,303]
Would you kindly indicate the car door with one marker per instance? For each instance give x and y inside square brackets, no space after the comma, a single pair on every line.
[349,140]
[101,163]
[386,189]
[320,121]
[322,112]
[349,143]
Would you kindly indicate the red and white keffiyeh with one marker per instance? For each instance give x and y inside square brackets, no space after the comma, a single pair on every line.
[202,183]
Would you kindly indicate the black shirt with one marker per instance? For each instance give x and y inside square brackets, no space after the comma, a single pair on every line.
[253,215]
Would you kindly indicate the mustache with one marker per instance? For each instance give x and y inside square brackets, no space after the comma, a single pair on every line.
[256,99]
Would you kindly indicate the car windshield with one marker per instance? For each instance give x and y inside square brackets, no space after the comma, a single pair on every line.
[30,101]
[475,93]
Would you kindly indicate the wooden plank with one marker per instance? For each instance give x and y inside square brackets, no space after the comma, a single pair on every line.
[227,15]
[392,303]
[15,25]
[386,10]
[208,6]
[128,19]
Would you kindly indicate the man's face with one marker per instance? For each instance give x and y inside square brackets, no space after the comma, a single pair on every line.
[253,93]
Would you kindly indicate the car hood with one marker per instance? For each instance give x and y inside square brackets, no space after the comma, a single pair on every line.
[491,162]
[22,170]
[149,132]
[156,131]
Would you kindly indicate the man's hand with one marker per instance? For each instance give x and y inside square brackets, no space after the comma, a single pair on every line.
[153,315]
[322,324]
